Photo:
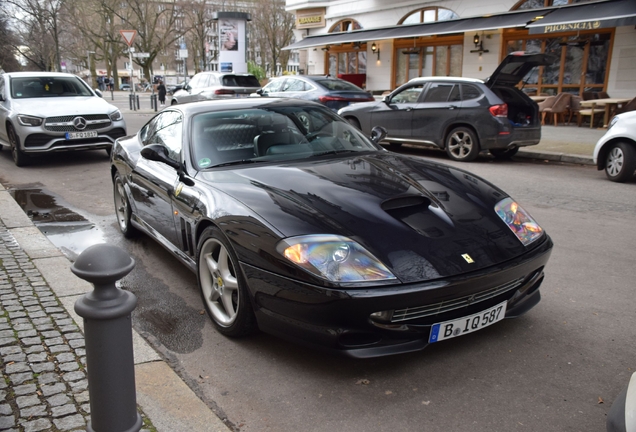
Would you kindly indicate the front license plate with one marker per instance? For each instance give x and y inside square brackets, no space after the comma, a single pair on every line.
[80,135]
[467,324]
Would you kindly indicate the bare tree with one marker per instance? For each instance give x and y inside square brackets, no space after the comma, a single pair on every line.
[200,27]
[8,60]
[272,29]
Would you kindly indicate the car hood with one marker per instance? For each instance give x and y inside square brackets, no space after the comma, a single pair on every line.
[419,218]
[45,107]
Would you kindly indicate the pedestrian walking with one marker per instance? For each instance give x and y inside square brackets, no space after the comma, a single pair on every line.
[161,89]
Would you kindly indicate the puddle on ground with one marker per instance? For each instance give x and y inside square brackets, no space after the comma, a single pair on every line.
[67,230]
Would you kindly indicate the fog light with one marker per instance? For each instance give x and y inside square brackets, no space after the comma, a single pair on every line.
[384,316]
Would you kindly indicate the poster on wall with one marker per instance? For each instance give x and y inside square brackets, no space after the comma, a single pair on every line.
[226,67]
[229,35]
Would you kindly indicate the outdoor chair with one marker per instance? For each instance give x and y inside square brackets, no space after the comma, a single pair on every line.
[594,110]
[588,95]
[602,95]
[545,104]
[559,107]
[575,108]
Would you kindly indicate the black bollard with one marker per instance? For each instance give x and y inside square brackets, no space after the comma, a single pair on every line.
[108,333]
[137,101]
[131,102]
[153,101]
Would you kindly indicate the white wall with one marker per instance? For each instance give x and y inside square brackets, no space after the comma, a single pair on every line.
[481,66]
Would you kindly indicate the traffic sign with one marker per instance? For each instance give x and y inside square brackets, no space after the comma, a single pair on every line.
[141,55]
[128,35]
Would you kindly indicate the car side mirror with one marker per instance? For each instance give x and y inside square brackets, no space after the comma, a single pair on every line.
[386,99]
[187,87]
[158,153]
[259,92]
[378,133]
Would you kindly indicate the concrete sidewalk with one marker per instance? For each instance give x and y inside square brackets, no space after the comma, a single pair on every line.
[563,143]
[42,353]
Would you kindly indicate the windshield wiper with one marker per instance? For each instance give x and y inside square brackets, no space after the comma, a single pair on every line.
[236,162]
[329,152]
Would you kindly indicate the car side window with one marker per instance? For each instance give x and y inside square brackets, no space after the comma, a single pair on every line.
[294,85]
[168,132]
[2,88]
[438,92]
[274,86]
[470,92]
[408,95]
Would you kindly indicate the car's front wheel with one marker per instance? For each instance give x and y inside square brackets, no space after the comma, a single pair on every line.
[122,208]
[462,144]
[19,157]
[223,289]
[620,162]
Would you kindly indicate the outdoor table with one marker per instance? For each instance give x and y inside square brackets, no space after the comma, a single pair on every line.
[610,105]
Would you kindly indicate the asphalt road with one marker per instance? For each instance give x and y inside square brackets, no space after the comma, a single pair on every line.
[558,368]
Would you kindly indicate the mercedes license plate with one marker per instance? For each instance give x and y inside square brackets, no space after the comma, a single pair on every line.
[467,324]
[80,135]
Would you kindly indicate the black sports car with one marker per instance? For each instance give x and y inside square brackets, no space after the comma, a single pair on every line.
[298,224]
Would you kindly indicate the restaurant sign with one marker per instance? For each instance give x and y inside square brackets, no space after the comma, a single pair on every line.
[575,26]
[310,18]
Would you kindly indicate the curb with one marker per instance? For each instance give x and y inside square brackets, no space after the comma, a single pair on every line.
[556,157]
[162,395]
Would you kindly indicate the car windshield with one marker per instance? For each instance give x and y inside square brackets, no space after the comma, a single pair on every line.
[38,87]
[272,134]
[240,81]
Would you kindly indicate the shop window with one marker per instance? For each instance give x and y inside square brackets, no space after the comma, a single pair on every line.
[442,60]
[349,58]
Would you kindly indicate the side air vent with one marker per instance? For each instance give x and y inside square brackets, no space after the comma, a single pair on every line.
[404,202]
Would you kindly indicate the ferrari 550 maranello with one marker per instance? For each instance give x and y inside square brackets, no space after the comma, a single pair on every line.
[299,225]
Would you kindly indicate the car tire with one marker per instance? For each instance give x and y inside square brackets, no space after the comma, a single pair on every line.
[222,286]
[504,153]
[19,157]
[122,208]
[620,162]
[462,144]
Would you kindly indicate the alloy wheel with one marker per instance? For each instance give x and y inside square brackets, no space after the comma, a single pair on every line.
[219,284]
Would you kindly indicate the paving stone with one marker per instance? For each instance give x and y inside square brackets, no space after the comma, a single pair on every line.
[48,378]
[79,386]
[65,357]
[86,408]
[10,350]
[6,334]
[34,411]
[74,376]
[70,422]
[17,367]
[51,334]
[77,343]
[27,333]
[58,399]
[24,389]
[82,397]
[43,367]
[59,348]
[35,349]
[54,341]
[6,422]
[32,341]
[27,401]
[20,357]
[37,357]
[37,425]
[63,410]
[20,327]
[73,336]
[53,389]
[5,409]
[69,367]
[21,378]
[7,341]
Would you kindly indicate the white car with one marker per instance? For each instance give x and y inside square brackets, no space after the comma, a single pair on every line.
[43,112]
[615,152]
[622,415]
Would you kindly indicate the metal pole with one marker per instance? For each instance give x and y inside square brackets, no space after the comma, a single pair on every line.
[108,334]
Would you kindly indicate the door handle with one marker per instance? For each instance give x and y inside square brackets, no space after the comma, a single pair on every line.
[450,107]
[409,109]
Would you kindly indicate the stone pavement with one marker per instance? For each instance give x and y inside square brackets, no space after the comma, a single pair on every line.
[42,354]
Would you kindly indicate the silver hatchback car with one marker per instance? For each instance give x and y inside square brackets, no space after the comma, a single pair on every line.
[215,85]
[42,112]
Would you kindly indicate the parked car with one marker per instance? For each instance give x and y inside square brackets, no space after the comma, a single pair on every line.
[298,224]
[622,414]
[45,112]
[332,92]
[124,87]
[215,85]
[464,116]
[615,152]
[172,89]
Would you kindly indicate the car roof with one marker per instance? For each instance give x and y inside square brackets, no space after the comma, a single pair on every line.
[40,74]
[241,103]
[446,78]
[222,73]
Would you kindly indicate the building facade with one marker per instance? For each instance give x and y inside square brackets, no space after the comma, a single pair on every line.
[384,44]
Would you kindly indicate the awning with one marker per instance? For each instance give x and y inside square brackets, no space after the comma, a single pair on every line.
[488,22]
[587,16]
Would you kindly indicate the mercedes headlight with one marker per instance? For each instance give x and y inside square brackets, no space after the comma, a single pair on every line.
[115,116]
[334,258]
[519,221]
[26,120]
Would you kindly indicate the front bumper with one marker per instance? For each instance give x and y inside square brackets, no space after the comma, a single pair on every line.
[340,319]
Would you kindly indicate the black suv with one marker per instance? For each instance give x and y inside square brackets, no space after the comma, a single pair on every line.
[461,115]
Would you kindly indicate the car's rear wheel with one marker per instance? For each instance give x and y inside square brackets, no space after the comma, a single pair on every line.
[122,208]
[504,153]
[462,145]
[223,289]
[19,157]
[620,162]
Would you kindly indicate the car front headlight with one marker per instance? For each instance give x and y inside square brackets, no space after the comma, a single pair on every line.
[26,120]
[334,258]
[519,221]
[115,116]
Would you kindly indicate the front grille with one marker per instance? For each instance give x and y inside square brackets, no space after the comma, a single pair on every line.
[39,140]
[65,123]
[411,313]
